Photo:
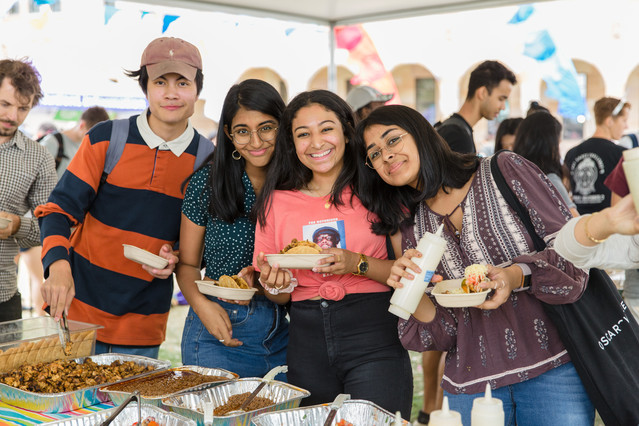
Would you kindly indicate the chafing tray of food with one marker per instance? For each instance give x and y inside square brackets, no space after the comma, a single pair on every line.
[72,400]
[157,386]
[356,411]
[191,405]
[127,417]
[35,340]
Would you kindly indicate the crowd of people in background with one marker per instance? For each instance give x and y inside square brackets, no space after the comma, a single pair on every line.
[363,180]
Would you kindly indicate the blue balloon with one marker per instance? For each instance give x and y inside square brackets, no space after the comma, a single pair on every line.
[541,47]
[523,13]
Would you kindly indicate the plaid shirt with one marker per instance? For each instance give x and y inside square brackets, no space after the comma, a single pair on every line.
[27,176]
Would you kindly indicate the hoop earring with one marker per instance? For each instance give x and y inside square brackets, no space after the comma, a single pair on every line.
[236,158]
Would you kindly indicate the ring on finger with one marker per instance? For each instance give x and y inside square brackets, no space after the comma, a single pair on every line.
[221,340]
[279,287]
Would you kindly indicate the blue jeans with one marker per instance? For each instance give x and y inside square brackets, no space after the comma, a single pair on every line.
[106,348]
[350,346]
[261,326]
[556,398]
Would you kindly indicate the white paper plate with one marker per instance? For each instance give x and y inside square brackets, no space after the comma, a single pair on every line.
[4,222]
[207,287]
[295,261]
[144,257]
[465,300]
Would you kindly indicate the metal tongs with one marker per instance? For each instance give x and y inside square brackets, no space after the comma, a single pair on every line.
[135,396]
[63,330]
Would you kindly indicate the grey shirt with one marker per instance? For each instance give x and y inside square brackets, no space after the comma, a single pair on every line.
[69,149]
[27,177]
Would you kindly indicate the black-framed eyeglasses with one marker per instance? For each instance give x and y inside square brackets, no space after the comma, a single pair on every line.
[392,145]
[266,133]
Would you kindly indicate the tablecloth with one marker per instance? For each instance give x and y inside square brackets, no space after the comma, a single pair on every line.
[10,415]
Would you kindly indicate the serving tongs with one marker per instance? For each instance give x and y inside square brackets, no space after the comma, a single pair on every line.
[336,405]
[63,330]
[135,396]
[267,378]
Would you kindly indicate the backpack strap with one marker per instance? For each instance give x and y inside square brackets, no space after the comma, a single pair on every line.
[633,138]
[204,148]
[453,120]
[119,135]
[513,202]
[60,155]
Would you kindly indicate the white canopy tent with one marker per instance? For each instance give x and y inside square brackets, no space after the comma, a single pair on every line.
[333,13]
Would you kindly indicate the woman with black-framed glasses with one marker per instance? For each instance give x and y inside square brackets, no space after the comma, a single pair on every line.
[245,338]
[508,341]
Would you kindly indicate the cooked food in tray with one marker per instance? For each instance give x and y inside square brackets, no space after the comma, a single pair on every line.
[301,247]
[68,375]
[165,383]
[235,401]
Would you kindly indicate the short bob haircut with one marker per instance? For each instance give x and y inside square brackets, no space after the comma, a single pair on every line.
[224,181]
[142,76]
[287,172]
[537,140]
[440,167]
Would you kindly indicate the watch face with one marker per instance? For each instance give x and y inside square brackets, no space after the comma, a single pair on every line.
[363,267]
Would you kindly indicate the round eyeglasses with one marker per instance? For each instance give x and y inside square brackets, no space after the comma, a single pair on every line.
[243,136]
[392,145]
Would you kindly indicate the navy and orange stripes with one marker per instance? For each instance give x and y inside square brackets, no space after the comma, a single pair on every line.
[139,204]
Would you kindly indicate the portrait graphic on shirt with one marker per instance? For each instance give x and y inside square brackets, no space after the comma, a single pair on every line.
[327,234]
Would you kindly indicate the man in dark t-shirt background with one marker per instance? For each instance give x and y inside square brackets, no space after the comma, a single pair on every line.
[489,86]
[593,160]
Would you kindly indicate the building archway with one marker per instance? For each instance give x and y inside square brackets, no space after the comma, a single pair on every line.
[319,80]
[268,75]
[632,96]
[418,88]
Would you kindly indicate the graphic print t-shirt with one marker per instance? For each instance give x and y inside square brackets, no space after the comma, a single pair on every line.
[589,164]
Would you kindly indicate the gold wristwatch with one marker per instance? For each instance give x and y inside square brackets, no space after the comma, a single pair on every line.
[362,266]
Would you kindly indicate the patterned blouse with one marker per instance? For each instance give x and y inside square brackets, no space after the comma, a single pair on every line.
[517,341]
[220,236]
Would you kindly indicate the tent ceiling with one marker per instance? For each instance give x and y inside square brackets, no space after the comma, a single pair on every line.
[336,12]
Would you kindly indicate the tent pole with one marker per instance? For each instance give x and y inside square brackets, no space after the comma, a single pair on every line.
[332,69]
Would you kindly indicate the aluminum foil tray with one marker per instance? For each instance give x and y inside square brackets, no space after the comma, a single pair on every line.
[127,417]
[285,396]
[67,401]
[119,396]
[356,411]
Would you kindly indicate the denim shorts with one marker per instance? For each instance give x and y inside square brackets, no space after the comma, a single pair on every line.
[261,326]
[555,398]
[350,346]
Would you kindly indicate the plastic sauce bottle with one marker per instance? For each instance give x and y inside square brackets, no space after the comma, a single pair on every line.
[445,417]
[487,411]
[405,299]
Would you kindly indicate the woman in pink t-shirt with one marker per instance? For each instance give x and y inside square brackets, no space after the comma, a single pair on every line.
[342,339]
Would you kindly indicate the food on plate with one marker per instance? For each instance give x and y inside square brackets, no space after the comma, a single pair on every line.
[344,423]
[235,401]
[149,421]
[65,376]
[301,247]
[232,282]
[473,275]
[165,383]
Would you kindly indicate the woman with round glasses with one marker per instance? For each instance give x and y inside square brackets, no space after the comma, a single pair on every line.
[342,337]
[217,231]
[417,184]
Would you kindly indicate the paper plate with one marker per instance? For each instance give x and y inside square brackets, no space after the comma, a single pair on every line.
[295,261]
[144,257]
[207,287]
[465,300]
[4,222]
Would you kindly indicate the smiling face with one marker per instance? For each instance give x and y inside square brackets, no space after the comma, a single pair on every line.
[319,140]
[172,100]
[13,109]
[256,152]
[493,103]
[398,168]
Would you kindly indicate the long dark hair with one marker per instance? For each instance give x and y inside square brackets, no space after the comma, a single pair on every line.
[287,172]
[440,167]
[507,127]
[537,140]
[225,174]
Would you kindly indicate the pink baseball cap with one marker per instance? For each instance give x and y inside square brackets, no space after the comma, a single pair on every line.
[170,54]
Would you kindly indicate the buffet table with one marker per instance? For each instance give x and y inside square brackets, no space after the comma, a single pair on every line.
[10,415]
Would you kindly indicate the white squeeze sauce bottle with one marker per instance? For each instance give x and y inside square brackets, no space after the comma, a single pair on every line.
[445,416]
[405,299]
[487,411]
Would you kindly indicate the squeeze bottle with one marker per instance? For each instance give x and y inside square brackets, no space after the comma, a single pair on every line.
[405,299]
[445,416]
[631,170]
[487,411]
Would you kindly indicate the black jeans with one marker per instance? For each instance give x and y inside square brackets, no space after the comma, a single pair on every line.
[349,346]
[11,309]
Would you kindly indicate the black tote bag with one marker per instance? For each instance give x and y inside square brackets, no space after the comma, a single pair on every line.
[599,332]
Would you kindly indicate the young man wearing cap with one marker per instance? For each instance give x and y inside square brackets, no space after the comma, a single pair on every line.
[489,87]
[364,99]
[138,203]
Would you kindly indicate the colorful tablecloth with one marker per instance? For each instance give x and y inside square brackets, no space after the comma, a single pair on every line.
[11,416]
